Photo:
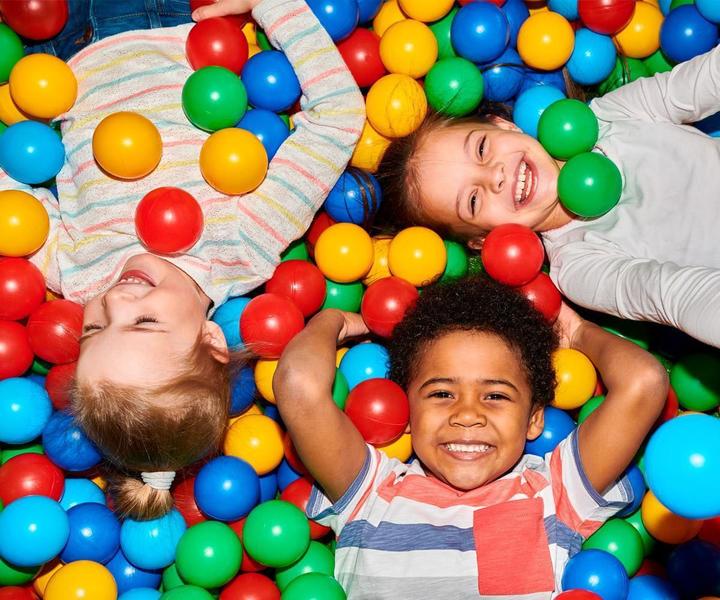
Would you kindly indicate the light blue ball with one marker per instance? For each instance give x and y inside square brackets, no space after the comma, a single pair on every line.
[129,577]
[67,445]
[710,9]
[266,126]
[227,316]
[480,32]
[682,465]
[25,408]
[151,544]
[503,77]
[650,587]
[270,81]
[567,8]
[338,17]
[558,425]
[363,362]
[596,571]
[534,77]
[141,594]
[80,491]
[592,59]
[31,152]
[531,104]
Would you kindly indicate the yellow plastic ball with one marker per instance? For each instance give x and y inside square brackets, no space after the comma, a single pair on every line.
[9,112]
[233,161]
[546,41]
[389,14]
[396,105]
[253,49]
[24,223]
[409,47]
[99,481]
[344,252]
[641,36]
[380,268]
[401,448]
[257,440]
[425,10]
[127,145]
[576,378]
[43,578]
[250,33]
[82,580]
[664,525]
[339,355]
[417,255]
[43,86]
[370,149]
[264,373]
[253,409]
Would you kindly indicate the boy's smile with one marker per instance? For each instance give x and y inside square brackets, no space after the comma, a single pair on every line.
[470,409]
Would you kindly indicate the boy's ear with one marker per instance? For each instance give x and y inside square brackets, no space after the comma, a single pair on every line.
[407,429]
[536,424]
[501,123]
[214,336]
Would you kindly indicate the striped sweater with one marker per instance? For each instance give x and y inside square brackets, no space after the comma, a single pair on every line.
[92,229]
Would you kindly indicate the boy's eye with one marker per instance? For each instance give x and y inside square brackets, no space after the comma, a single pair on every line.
[473,203]
[145,319]
[440,394]
[91,327]
[496,396]
[481,147]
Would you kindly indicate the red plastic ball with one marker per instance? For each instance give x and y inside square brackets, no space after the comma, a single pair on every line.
[22,288]
[248,564]
[168,220]
[578,595]
[184,497]
[16,354]
[54,330]
[250,586]
[218,41]
[17,593]
[495,2]
[671,408]
[268,323]
[606,16]
[30,474]
[291,456]
[651,567]
[320,223]
[35,19]
[710,531]
[385,303]
[361,53]
[300,281]
[58,384]
[545,297]
[512,254]
[379,409]
[298,493]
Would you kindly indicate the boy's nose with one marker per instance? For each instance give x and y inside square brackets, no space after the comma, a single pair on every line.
[468,414]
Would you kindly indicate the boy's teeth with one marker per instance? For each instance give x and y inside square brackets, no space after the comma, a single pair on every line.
[467,447]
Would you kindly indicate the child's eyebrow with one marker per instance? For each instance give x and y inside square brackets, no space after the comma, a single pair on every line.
[453,380]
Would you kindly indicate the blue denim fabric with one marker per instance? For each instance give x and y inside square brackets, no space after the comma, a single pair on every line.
[93,20]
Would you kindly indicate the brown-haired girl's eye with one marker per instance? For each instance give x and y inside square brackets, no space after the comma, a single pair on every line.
[481,148]
[145,319]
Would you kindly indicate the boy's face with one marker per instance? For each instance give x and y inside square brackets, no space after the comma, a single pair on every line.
[137,332]
[470,409]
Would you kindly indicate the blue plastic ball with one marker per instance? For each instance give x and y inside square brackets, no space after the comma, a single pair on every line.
[650,587]
[368,9]
[355,198]
[67,445]
[567,8]
[592,59]
[639,487]
[271,411]
[480,32]
[694,569]
[709,9]
[266,126]
[151,544]
[596,571]
[338,17]
[141,594]
[25,409]
[31,152]
[503,77]
[268,486]
[531,104]
[270,81]
[33,530]
[129,577]
[685,33]
[228,317]
[243,391]
[558,425]
[534,78]
[516,12]
[94,534]
[710,125]
[363,362]
[286,475]
[227,488]
[80,491]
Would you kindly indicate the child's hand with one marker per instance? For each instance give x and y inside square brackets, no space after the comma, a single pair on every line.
[567,325]
[222,8]
[354,326]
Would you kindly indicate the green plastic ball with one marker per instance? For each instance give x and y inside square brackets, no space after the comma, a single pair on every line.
[567,128]
[589,407]
[675,3]
[214,98]
[40,366]
[30,448]
[343,296]
[340,390]
[625,71]
[657,62]
[589,184]
[208,554]
[262,40]
[696,381]
[620,539]
[11,51]
[187,592]
[648,541]
[441,30]
[296,251]
[636,332]
[314,586]
[454,86]
[457,261]
[3,127]
[12,575]
[171,578]
[317,559]
[276,533]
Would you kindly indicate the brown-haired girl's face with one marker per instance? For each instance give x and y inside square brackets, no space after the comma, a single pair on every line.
[474,177]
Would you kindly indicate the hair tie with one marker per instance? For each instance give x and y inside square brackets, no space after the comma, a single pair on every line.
[159,480]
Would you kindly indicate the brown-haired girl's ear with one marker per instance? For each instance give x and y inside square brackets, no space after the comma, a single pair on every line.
[214,337]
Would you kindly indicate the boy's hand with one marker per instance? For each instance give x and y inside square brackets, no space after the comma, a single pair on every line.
[223,8]
[567,325]
[354,326]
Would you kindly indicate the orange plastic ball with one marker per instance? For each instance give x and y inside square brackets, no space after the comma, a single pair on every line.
[417,255]
[257,440]
[641,36]
[546,41]
[380,268]
[82,580]
[264,372]
[576,378]
[127,145]
[664,525]
[43,86]
[46,574]
[233,161]
[9,112]
[409,47]
[24,223]
[426,11]
[344,252]
[389,14]
[369,150]
[396,105]
[401,448]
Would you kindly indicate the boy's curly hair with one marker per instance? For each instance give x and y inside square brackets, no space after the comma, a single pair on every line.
[477,304]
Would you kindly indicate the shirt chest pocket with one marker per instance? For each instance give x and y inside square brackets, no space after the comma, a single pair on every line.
[512,550]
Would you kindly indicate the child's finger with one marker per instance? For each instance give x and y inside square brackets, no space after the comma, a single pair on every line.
[216,9]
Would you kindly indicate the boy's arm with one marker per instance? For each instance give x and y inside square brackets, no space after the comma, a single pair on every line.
[328,443]
[637,386]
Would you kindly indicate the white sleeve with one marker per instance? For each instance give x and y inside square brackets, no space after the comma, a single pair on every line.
[641,289]
[688,93]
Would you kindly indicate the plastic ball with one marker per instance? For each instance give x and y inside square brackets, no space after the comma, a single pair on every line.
[651,587]
[270,81]
[127,145]
[128,576]
[567,128]
[409,48]
[218,41]
[567,8]
[263,376]
[338,17]
[268,323]
[243,391]
[682,465]
[589,185]
[389,14]
[16,593]
[426,12]
[709,9]
[227,488]
[250,586]
[22,288]
[67,445]
[385,303]
[35,19]
[544,296]
[379,409]
[558,425]
[592,59]
[480,32]
[267,127]
[344,252]
[396,105]
[344,296]
[31,152]
[685,33]
[361,53]
[24,410]
[43,86]
[80,491]
[168,220]
[369,150]
[9,112]
[151,544]
[363,362]
[578,595]
[454,86]
[81,579]
[141,594]
[257,440]
[320,223]
[637,482]
[314,585]
[512,254]
[696,381]
[276,533]
[576,378]
[442,30]
[16,355]
[298,493]
[214,98]
[187,592]
[228,317]
[355,198]
[417,255]
[233,161]
[625,71]
[641,37]
[301,282]
[546,41]
[11,51]
[30,475]
[317,559]
[503,77]
[694,570]
[531,104]
[94,534]
[621,540]
[664,525]
[606,17]
[368,9]
[598,572]
[28,448]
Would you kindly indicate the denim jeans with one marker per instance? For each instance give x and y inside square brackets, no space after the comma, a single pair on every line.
[92,20]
